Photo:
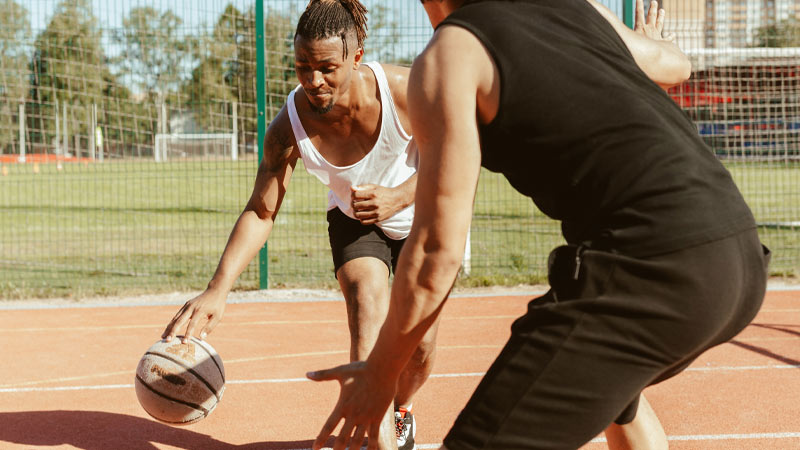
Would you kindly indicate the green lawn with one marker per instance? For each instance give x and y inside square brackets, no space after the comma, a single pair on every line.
[133,227]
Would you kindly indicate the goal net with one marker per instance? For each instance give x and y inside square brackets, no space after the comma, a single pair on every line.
[195,146]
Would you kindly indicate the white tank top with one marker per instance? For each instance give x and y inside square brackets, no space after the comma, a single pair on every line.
[392,160]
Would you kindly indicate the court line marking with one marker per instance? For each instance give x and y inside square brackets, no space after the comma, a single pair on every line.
[230,361]
[39,305]
[685,437]
[160,326]
[25,386]
[128,304]
[740,368]
[722,437]
[764,339]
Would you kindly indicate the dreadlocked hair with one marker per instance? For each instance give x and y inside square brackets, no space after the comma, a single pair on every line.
[327,18]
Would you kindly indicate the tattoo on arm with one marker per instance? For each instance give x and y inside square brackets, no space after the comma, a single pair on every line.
[277,151]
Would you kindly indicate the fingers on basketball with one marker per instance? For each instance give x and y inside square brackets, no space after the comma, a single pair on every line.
[210,325]
[194,323]
[169,332]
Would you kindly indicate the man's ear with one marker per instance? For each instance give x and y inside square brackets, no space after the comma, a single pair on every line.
[359,56]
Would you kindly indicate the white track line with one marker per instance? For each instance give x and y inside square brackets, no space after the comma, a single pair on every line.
[21,387]
[159,326]
[38,304]
[688,437]
[723,437]
[737,368]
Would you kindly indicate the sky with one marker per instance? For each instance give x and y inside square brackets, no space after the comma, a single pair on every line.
[197,14]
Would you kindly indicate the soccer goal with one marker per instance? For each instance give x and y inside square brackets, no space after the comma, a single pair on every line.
[196,146]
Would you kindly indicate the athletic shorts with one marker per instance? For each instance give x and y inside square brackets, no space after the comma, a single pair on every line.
[610,326]
[350,240]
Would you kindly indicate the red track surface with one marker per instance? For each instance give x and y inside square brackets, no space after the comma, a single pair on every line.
[67,377]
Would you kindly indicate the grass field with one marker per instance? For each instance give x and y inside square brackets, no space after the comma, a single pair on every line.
[140,227]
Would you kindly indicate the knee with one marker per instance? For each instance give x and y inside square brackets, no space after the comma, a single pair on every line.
[424,353]
[365,302]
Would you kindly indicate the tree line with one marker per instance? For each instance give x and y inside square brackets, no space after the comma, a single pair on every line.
[128,73]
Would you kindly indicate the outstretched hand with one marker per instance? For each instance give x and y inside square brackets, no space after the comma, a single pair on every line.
[363,401]
[653,25]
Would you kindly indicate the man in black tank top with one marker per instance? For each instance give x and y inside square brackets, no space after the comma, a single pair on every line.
[662,260]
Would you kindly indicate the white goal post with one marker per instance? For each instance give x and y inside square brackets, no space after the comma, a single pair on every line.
[184,146]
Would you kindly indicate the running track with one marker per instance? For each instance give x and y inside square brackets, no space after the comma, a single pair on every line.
[66,380]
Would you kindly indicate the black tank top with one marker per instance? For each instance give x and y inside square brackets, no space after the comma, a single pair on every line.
[590,138]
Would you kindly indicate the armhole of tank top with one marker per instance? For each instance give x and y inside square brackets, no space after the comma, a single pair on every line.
[487,44]
[386,93]
[294,119]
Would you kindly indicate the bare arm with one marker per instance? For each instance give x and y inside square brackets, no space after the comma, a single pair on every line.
[255,223]
[397,77]
[248,235]
[443,106]
[660,58]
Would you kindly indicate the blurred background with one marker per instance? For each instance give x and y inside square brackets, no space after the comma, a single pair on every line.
[129,138]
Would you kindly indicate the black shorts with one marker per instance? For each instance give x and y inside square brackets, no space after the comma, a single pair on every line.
[582,354]
[350,240]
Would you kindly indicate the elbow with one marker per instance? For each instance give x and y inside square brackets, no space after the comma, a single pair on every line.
[440,268]
[259,209]
[679,71]
[683,70]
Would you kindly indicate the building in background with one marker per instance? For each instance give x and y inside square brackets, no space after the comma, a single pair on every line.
[725,23]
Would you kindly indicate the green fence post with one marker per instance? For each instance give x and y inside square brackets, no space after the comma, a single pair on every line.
[628,8]
[263,254]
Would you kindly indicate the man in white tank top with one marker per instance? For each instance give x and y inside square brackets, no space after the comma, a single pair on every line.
[349,123]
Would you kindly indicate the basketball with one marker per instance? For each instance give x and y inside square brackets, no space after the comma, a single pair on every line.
[178,383]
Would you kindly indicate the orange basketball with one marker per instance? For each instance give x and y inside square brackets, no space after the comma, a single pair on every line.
[180,383]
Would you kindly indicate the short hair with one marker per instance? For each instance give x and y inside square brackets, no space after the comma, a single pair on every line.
[328,18]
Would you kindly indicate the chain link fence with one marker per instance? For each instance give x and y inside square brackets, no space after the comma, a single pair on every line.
[128,139]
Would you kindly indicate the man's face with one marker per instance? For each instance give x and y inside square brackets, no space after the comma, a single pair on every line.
[323,71]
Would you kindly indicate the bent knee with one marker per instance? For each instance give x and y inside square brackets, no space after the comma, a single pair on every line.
[424,353]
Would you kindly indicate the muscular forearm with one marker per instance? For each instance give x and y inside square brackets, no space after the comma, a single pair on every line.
[249,234]
[426,271]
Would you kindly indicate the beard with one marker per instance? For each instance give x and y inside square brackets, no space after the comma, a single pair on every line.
[321,110]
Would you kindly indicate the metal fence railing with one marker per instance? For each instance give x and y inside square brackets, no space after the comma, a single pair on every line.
[129,139]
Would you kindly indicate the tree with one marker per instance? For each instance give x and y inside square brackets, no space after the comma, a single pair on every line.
[153,52]
[68,65]
[383,36]
[785,33]
[213,85]
[15,33]
[226,71]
